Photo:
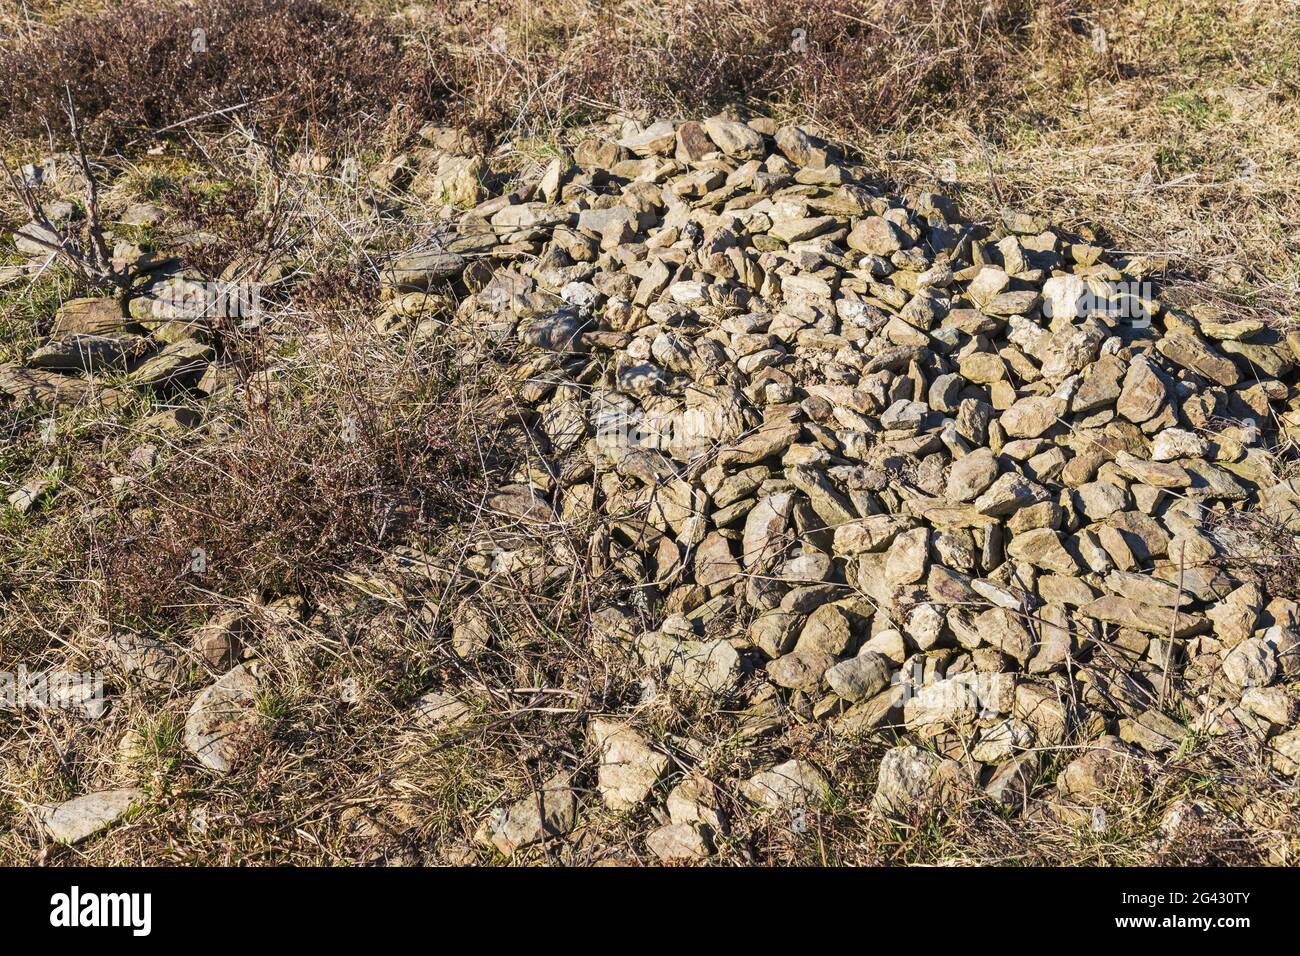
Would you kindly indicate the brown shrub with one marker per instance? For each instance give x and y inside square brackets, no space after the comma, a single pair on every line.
[856,62]
[239,229]
[358,449]
[853,64]
[288,501]
[141,67]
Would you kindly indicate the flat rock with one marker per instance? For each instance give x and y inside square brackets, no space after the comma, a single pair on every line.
[84,816]
[219,721]
[703,667]
[1148,618]
[791,784]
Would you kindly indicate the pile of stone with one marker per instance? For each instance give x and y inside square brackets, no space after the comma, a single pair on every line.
[161,339]
[972,487]
[99,351]
[865,460]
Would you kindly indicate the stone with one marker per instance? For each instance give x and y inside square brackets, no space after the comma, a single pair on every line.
[629,767]
[82,352]
[859,677]
[423,271]
[765,530]
[82,817]
[1012,781]
[1143,394]
[971,475]
[1285,752]
[1043,548]
[549,813]
[1001,741]
[1191,352]
[734,139]
[877,236]
[695,800]
[988,283]
[1152,730]
[795,783]
[702,667]
[679,841]
[908,557]
[1252,663]
[1173,443]
[828,630]
[1044,711]
[41,388]
[1235,617]
[949,703]
[715,565]
[221,720]
[1148,618]
[89,316]
[1156,474]
[149,660]
[31,492]
[1101,499]
[219,641]
[831,506]
[910,778]
[1008,494]
[774,632]
[1102,774]
[1031,417]
[1146,590]
[1006,630]
[1273,704]
[177,366]
[872,533]
[982,368]
[471,633]
[437,710]
[800,670]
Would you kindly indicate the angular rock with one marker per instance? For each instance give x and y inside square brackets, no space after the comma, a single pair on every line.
[550,813]
[911,778]
[629,767]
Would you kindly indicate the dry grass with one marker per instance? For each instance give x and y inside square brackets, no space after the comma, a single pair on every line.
[851,64]
[142,67]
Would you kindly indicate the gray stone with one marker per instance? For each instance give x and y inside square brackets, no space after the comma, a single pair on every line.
[629,767]
[221,720]
[84,816]
[859,677]
[794,783]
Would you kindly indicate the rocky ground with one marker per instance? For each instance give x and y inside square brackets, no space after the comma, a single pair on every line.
[682,492]
[864,464]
